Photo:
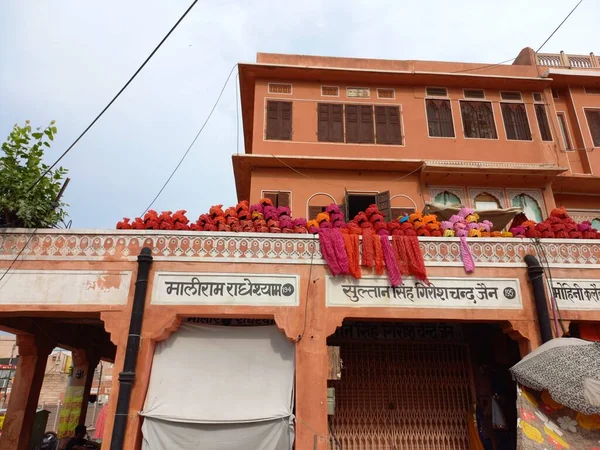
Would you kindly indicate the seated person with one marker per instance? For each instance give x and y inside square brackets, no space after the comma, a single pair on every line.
[79,442]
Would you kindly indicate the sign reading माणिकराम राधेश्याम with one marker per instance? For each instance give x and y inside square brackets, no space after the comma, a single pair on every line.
[497,293]
[576,294]
[224,289]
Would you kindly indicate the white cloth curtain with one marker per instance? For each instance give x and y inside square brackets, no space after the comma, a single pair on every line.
[221,387]
[530,207]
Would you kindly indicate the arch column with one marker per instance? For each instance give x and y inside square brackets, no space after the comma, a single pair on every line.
[20,415]
[312,369]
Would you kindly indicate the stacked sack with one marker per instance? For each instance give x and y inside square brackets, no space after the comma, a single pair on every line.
[558,225]
[466,224]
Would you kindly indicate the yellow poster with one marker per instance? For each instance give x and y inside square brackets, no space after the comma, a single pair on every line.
[70,411]
[1,421]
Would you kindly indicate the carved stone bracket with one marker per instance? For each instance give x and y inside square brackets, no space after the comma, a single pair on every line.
[115,326]
[30,345]
[524,332]
[162,328]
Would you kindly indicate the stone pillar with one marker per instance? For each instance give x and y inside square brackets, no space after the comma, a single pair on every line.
[20,415]
[312,369]
[78,392]
[311,390]
[90,363]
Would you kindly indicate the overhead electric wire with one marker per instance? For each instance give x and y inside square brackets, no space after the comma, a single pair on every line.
[193,142]
[559,25]
[512,59]
[114,98]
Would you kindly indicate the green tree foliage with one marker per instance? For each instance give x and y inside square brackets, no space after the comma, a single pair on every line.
[20,166]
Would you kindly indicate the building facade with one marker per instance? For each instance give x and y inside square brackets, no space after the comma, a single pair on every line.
[416,362]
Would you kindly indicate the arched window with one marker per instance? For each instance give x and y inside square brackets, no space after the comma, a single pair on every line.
[596,223]
[401,205]
[485,202]
[317,203]
[530,206]
[447,198]
[478,120]
[439,118]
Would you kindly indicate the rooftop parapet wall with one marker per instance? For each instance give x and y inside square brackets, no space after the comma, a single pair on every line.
[125,245]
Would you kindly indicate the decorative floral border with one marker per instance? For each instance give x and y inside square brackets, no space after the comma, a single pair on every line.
[125,245]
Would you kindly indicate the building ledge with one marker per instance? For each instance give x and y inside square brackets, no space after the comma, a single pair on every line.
[125,245]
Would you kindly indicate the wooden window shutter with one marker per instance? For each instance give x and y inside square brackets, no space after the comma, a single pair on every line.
[283,199]
[279,120]
[352,123]
[273,125]
[345,208]
[286,121]
[313,211]
[593,120]
[330,122]
[271,196]
[384,205]
[323,122]
[542,118]
[387,125]
[336,124]
[366,132]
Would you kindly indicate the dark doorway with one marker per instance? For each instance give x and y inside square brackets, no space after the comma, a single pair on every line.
[358,203]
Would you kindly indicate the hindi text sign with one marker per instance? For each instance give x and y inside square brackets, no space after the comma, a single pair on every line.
[497,293]
[225,289]
[576,294]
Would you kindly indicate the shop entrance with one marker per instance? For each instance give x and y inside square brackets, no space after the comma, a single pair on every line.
[411,386]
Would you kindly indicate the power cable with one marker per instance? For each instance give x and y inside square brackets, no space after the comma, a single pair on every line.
[512,59]
[312,258]
[114,98]
[559,25]
[193,142]
[344,186]
[485,67]
[19,254]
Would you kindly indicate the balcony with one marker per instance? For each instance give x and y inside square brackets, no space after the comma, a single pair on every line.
[107,246]
[565,60]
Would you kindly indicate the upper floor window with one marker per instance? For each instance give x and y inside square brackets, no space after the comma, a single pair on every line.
[359,124]
[564,130]
[363,124]
[330,126]
[439,118]
[592,90]
[447,198]
[596,223]
[485,202]
[401,205]
[279,198]
[515,121]
[387,125]
[530,206]
[279,120]
[314,211]
[478,120]
[542,120]
[593,120]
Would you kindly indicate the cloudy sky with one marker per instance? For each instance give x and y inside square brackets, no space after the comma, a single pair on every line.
[65,59]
